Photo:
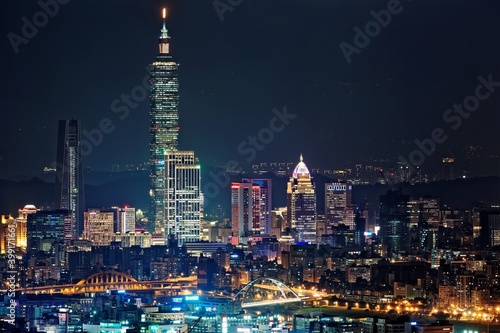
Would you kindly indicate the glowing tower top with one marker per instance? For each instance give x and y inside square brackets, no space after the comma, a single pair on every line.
[164,42]
[164,124]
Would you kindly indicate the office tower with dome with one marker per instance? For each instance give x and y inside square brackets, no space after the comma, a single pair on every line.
[301,204]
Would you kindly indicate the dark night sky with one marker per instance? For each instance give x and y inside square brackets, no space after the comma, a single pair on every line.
[264,54]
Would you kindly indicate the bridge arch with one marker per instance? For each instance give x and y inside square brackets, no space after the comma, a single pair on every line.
[106,277]
[265,291]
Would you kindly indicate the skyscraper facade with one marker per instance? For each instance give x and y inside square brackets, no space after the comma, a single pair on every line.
[125,219]
[338,204]
[46,228]
[5,222]
[22,226]
[301,204]
[489,227]
[99,227]
[266,202]
[424,212]
[183,199]
[494,229]
[164,125]
[465,284]
[394,222]
[69,173]
[245,209]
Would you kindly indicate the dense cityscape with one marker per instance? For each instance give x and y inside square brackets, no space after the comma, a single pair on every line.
[249,245]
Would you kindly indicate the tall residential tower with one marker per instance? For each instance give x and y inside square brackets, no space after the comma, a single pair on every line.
[164,124]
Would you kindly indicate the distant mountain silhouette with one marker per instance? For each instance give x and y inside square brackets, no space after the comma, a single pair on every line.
[133,190]
[15,195]
[458,194]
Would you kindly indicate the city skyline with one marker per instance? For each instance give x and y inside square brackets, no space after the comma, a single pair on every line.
[386,229]
[338,115]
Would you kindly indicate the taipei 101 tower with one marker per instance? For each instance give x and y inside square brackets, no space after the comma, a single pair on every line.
[164,125]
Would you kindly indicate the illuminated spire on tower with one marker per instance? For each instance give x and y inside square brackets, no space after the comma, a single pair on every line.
[164,124]
[164,43]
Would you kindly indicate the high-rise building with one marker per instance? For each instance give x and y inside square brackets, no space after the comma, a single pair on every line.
[183,199]
[476,223]
[394,221]
[251,217]
[489,227]
[486,224]
[359,227]
[125,219]
[98,227]
[22,228]
[79,258]
[301,204]
[424,212]
[245,209]
[164,125]
[7,223]
[465,285]
[338,204]
[278,221]
[46,228]
[494,229]
[69,173]
[266,204]
[206,271]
